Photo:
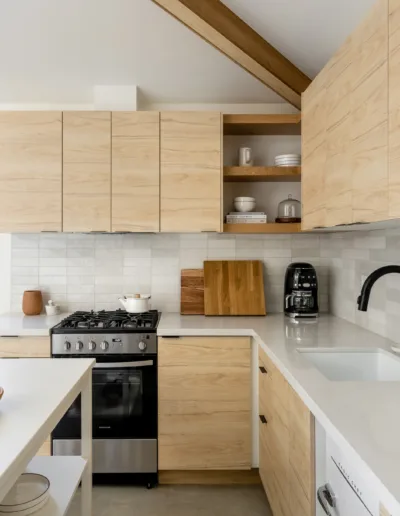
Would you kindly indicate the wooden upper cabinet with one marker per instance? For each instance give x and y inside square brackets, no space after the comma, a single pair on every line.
[345,131]
[369,117]
[30,171]
[135,171]
[191,171]
[394,108]
[86,171]
[314,152]
[338,167]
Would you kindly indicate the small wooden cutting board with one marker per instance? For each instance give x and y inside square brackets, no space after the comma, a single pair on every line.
[192,292]
[234,287]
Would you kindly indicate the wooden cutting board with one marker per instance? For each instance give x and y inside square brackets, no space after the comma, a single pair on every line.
[192,292]
[234,288]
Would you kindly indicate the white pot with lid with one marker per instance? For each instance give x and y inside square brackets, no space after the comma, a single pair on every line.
[136,304]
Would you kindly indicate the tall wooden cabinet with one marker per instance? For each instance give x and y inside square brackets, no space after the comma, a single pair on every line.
[30,171]
[286,437]
[86,171]
[345,115]
[191,171]
[204,403]
[135,171]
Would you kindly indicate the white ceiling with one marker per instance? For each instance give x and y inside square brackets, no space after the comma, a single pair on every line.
[57,50]
[307,32]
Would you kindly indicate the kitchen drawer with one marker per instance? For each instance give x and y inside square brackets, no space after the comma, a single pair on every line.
[265,361]
[25,347]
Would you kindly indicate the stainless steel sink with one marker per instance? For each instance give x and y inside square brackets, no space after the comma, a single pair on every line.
[373,365]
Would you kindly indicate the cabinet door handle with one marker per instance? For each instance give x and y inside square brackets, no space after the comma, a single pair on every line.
[263,370]
[263,420]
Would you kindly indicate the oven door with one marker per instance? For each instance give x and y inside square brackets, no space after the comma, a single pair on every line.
[124,400]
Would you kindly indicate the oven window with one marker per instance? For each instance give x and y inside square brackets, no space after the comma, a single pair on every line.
[117,393]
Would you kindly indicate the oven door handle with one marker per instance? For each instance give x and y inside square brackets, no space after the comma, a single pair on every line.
[123,365]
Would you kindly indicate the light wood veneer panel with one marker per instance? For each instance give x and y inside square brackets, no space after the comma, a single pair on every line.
[338,167]
[191,171]
[136,171]
[314,152]
[369,117]
[30,171]
[204,403]
[86,171]
[394,108]
[286,445]
[25,347]
[45,449]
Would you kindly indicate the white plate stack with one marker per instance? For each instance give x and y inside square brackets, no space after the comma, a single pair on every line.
[29,494]
[288,160]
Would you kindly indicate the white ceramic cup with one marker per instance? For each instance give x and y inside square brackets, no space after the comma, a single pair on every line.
[245,157]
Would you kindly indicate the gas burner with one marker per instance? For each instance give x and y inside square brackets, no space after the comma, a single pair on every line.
[118,320]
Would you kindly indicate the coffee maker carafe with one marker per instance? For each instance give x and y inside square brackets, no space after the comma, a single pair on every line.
[301,291]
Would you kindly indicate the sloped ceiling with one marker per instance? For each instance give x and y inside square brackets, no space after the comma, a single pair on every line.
[57,50]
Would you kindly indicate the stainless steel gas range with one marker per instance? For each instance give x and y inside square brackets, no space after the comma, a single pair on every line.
[124,393]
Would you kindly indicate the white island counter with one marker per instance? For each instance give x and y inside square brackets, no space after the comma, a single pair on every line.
[37,393]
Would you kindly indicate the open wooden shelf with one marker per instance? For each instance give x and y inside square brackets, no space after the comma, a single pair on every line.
[262,124]
[261,174]
[269,227]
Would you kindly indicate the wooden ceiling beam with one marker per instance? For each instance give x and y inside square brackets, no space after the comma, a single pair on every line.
[219,26]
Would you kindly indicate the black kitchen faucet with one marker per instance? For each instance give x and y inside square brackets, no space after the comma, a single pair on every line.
[363,298]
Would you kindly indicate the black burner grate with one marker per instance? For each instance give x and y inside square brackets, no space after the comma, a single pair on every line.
[103,320]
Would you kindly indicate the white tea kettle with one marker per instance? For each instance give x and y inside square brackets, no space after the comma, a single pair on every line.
[136,304]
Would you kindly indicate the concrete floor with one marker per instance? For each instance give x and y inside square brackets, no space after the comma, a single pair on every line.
[177,501]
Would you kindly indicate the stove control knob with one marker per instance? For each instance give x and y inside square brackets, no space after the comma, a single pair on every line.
[67,345]
[142,345]
[78,345]
[92,345]
[104,345]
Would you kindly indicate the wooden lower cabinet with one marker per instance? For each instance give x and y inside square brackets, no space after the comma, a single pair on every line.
[204,393]
[24,347]
[286,441]
[45,449]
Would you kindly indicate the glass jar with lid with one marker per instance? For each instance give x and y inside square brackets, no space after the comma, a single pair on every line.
[289,210]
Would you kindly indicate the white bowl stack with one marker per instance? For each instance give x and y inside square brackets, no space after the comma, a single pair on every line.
[288,160]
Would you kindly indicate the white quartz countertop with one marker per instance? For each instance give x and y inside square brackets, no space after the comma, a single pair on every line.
[37,392]
[20,325]
[363,417]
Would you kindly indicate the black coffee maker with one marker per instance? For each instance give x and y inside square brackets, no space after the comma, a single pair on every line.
[301,291]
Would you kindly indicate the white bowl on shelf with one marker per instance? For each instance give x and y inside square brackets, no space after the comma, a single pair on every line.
[244,204]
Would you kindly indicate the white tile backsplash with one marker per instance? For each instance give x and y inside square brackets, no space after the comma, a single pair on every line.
[84,272]
[350,258]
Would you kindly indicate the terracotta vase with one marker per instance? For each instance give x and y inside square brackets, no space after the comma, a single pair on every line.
[32,302]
